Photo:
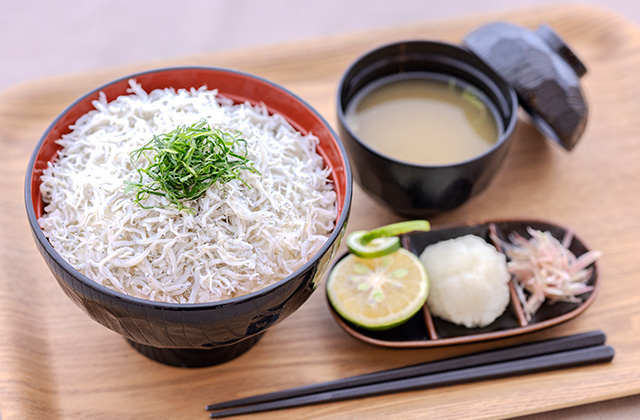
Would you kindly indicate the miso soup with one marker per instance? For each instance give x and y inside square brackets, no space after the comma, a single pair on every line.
[425,120]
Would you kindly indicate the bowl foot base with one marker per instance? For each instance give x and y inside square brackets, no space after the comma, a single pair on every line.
[191,358]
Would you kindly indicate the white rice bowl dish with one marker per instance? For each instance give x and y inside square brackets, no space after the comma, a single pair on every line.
[469,281]
[240,238]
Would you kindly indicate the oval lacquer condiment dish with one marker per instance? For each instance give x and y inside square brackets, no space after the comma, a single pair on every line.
[425,330]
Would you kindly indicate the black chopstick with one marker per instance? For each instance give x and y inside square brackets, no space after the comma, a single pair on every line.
[564,359]
[576,341]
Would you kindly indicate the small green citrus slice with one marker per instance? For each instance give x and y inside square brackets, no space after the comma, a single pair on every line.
[378,293]
[383,240]
[377,247]
[396,229]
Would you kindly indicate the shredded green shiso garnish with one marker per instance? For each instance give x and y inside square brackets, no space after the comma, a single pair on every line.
[185,162]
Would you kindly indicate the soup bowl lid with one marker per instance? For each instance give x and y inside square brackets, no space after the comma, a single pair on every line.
[544,72]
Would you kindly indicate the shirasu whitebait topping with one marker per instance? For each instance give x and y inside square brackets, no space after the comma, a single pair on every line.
[240,238]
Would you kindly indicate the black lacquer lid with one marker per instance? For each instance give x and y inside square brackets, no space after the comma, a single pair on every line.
[544,72]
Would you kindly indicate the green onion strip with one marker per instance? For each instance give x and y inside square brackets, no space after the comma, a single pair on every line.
[185,162]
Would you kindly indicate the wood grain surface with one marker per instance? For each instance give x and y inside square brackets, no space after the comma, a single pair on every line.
[55,363]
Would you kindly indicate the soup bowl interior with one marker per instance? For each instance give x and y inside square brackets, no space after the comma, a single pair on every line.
[198,334]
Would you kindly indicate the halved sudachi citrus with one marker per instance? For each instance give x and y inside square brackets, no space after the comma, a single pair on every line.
[378,293]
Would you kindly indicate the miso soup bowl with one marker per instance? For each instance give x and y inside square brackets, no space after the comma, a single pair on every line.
[198,334]
[416,190]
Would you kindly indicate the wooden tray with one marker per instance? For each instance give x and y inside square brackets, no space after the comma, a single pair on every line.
[426,330]
[55,363]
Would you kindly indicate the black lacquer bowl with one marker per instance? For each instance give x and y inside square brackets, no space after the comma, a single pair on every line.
[417,190]
[425,330]
[201,334]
